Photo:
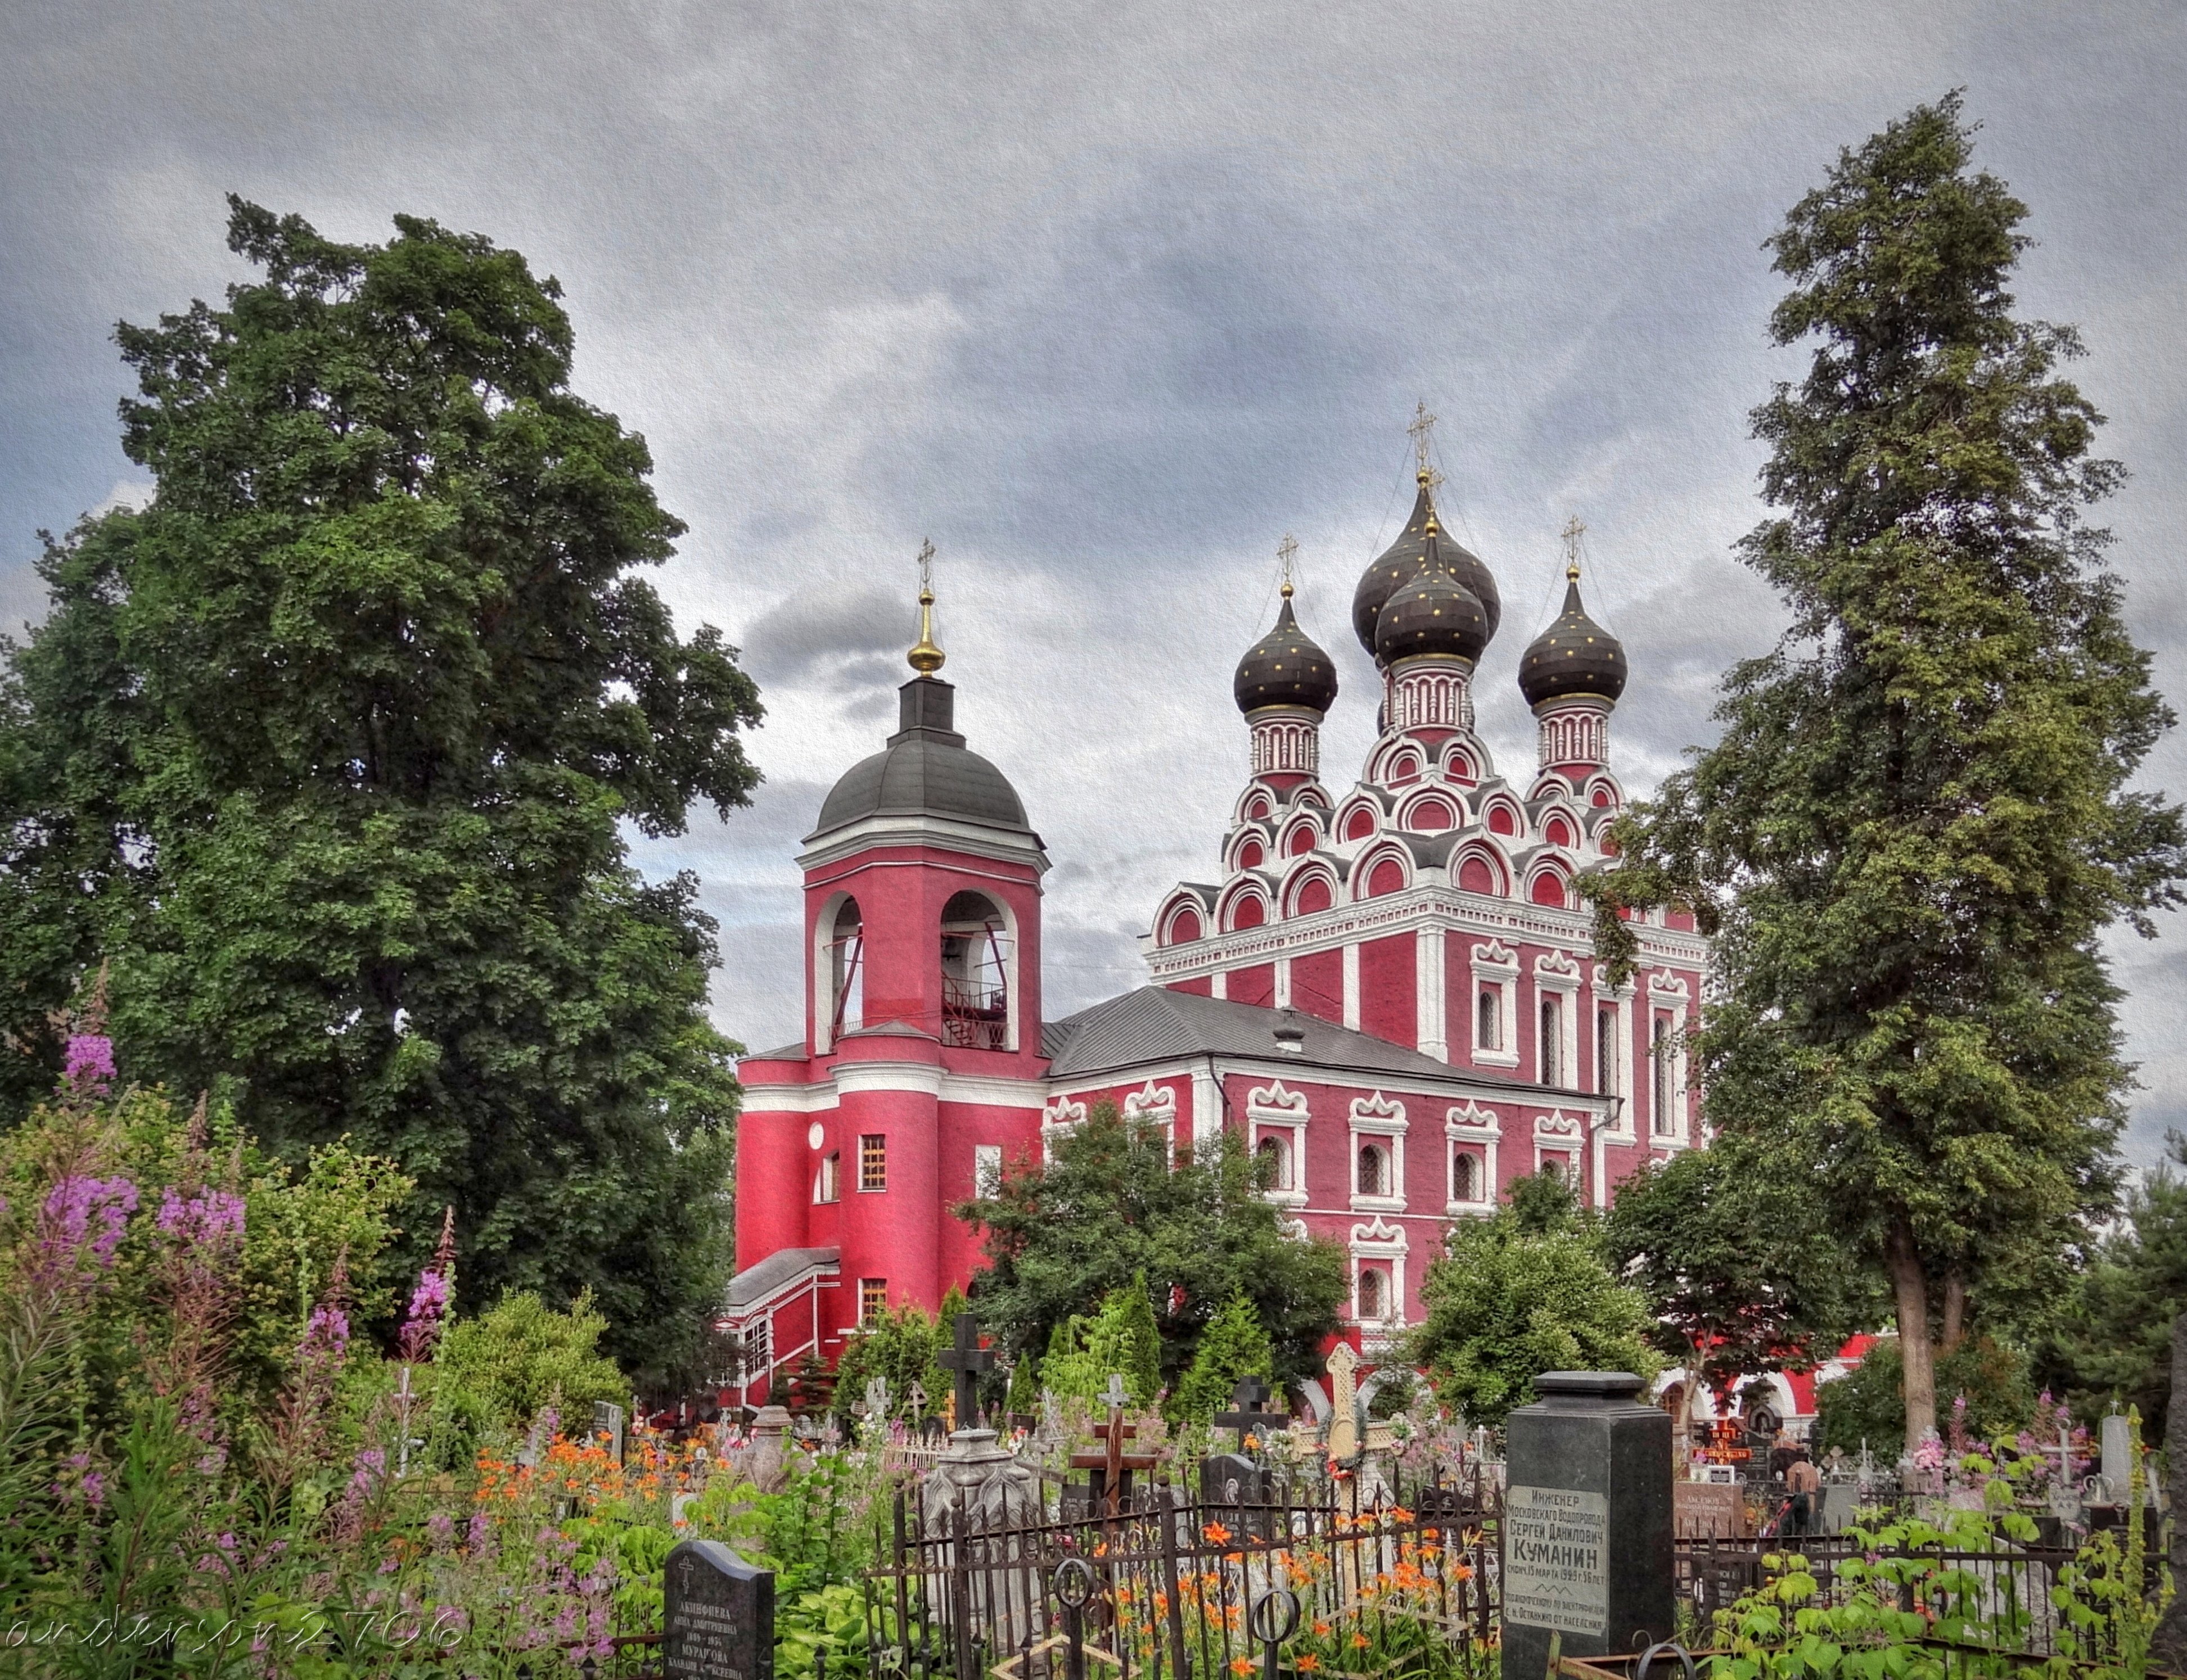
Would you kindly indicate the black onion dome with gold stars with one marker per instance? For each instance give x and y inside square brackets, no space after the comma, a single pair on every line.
[1574,656]
[1400,564]
[1435,613]
[1285,667]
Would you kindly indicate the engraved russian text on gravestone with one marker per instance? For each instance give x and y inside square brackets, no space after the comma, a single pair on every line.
[1556,1550]
[718,1620]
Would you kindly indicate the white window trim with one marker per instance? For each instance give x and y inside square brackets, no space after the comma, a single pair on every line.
[1564,1136]
[1667,992]
[1558,977]
[1269,1110]
[1059,1116]
[1377,1119]
[1477,1128]
[1623,1115]
[1495,964]
[1382,1244]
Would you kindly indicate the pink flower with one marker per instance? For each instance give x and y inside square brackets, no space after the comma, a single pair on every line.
[86,1216]
[421,1326]
[200,1221]
[89,1063]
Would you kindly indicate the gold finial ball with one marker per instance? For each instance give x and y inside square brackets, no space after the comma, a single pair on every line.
[1287,589]
[925,658]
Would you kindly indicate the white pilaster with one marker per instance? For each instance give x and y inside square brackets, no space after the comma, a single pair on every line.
[1206,1105]
[1352,987]
[1431,1016]
[1282,982]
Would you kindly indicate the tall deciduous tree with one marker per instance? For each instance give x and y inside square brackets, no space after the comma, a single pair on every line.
[1918,822]
[329,750]
[1109,1210]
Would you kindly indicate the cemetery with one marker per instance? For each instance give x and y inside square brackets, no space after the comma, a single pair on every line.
[1518,1230]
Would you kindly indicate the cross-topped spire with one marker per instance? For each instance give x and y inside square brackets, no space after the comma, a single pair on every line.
[967,1360]
[925,658]
[1286,554]
[1423,431]
[1573,531]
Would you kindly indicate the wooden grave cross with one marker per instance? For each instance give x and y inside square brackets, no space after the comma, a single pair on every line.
[1112,1461]
[967,1360]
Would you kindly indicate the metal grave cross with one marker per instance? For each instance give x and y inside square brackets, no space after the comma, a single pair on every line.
[967,1360]
[1247,1415]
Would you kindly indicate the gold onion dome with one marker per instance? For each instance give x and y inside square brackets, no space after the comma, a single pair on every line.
[1285,667]
[1574,656]
[1435,613]
[1400,564]
[924,657]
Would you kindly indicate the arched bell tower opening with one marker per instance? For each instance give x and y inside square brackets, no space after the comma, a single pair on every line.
[977,970]
[845,952]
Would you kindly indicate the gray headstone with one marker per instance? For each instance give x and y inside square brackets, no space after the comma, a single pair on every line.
[1587,1521]
[2117,1444]
[719,1620]
[607,1427]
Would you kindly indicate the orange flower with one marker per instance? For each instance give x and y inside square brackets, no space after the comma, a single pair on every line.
[1216,1535]
[1359,1642]
[1241,1665]
[1321,1630]
[1306,1664]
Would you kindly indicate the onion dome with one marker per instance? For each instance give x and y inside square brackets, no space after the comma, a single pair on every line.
[1574,656]
[1286,668]
[1434,614]
[1401,562]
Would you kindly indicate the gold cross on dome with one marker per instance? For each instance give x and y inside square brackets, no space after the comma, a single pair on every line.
[1423,431]
[925,565]
[1573,531]
[1286,552]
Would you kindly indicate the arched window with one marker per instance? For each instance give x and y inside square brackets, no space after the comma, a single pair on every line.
[1606,1049]
[1373,1294]
[975,997]
[1559,832]
[1273,1154]
[1464,1176]
[1659,1050]
[846,990]
[1404,767]
[1549,889]
[1313,896]
[1300,840]
[1474,875]
[1387,876]
[1432,816]
[1553,1168]
[1488,1017]
[1247,910]
[1252,855]
[1501,821]
[1374,1170]
[1184,926]
[1550,1046]
[1256,808]
[1359,824]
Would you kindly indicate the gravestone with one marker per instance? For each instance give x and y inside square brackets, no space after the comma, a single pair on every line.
[607,1427]
[1587,1521]
[1236,1491]
[718,1623]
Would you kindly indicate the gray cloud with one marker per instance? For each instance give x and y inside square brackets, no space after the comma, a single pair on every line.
[1105,298]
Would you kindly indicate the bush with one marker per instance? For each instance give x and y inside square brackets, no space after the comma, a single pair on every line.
[1869,1402]
[497,1372]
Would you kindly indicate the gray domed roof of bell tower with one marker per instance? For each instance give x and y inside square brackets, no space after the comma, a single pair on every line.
[925,771]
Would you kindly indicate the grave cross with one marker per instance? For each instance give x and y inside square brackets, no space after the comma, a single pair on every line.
[1112,1461]
[1247,1415]
[968,1359]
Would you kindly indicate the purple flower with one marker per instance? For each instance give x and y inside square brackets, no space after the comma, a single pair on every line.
[89,1063]
[421,1326]
[94,1489]
[326,1335]
[200,1221]
[370,1463]
[87,1215]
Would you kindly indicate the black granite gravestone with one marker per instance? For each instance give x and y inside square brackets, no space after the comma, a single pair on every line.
[1587,1521]
[719,1622]
[1235,1490]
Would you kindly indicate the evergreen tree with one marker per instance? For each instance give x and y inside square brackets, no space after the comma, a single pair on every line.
[1916,825]
[328,749]
[903,1346]
[1110,1211]
[2110,1338]
[1233,1348]
[1508,1300]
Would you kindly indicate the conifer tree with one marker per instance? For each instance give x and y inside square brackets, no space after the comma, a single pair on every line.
[1917,824]
[1233,1347]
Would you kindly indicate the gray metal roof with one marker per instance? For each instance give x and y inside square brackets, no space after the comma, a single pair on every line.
[1154,1023]
[923,777]
[755,1282]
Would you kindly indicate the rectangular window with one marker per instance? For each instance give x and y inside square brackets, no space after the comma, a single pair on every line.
[1659,1051]
[828,1186]
[1550,1049]
[1605,1050]
[872,1300]
[872,1161]
[1489,1019]
[986,1169]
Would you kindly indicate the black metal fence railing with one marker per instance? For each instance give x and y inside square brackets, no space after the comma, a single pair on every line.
[1169,1585]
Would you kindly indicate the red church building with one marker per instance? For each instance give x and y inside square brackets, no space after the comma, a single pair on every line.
[1390,992]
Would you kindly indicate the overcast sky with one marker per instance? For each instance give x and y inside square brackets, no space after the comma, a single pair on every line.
[1105,299]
